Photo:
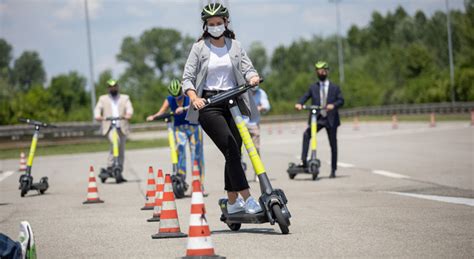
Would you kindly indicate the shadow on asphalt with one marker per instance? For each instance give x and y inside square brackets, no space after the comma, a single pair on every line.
[128,181]
[264,231]
[321,178]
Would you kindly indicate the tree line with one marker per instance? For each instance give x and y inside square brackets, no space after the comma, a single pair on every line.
[397,58]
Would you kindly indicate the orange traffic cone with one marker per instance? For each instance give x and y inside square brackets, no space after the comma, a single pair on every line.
[432,120]
[197,176]
[394,121]
[160,186]
[169,223]
[356,122]
[92,191]
[199,241]
[22,162]
[472,118]
[151,191]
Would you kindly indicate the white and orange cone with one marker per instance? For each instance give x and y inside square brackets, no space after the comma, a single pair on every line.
[394,121]
[197,176]
[151,191]
[92,191]
[472,118]
[432,120]
[169,223]
[199,241]
[22,162]
[160,186]
[356,122]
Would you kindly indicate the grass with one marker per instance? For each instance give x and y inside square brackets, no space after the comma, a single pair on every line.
[61,149]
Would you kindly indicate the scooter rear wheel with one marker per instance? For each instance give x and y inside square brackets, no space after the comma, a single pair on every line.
[282,221]
[292,176]
[234,226]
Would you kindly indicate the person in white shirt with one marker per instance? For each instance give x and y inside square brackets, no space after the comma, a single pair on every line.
[217,62]
[114,104]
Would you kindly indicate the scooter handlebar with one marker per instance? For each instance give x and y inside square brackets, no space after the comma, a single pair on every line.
[224,96]
[36,123]
[114,118]
[313,107]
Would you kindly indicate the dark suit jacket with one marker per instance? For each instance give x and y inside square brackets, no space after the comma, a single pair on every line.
[334,97]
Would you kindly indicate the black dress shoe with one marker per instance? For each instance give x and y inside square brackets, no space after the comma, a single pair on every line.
[333,174]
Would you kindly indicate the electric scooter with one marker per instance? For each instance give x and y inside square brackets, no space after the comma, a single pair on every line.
[115,171]
[272,201]
[179,183]
[313,163]
[26,180]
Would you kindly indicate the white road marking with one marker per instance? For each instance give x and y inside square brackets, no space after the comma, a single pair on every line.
[455,200]
[345,165]
[5,174]
[390,174]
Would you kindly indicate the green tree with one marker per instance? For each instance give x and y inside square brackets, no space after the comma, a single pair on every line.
[28,70]
[258,54]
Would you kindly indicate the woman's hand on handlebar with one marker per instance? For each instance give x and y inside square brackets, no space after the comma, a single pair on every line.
[254,81]
[150,118]
[198,103]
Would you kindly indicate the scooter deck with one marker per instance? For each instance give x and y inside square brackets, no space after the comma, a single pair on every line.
[242,217]
[297,170]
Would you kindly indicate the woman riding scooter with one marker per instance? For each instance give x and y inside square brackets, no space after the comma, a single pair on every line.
[216,63]
[184,131]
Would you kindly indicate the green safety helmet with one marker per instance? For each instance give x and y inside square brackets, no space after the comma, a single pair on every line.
[321,65]
[175,88]
[111,83]
[214,9]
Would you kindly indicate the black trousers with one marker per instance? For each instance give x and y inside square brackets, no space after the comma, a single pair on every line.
[217,122]
[332,136]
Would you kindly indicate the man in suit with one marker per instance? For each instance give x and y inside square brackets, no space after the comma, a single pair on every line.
[114,105]
[328,95]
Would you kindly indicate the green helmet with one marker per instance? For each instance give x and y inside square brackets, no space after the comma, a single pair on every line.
[321,65]
[214,9]
[111,83]
[175,88]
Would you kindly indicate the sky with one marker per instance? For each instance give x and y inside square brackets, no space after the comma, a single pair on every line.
[56,29]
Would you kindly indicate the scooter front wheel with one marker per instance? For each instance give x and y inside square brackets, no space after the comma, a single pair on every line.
[234,226]
[24,189]
[282,221]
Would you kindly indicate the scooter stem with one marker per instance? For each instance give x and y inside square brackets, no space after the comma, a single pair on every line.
[31,155]
[257,164]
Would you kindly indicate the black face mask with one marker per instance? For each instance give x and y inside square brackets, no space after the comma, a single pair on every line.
[113,92]
[322,77]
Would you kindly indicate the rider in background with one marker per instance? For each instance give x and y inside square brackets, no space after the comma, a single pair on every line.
[263,106]
[184,131]
[328,95]
[114,104]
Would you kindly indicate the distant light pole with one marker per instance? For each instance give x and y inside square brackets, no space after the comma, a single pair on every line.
[450,51]
[91,63]
[340,52]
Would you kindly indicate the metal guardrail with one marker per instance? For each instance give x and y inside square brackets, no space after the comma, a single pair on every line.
[81,130]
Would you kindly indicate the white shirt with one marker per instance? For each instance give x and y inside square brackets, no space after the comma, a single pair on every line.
[219,71]
[115,108]
[261,99]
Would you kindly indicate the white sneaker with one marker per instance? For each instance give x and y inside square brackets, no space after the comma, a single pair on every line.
[252,206]
[27,240]
[238,206]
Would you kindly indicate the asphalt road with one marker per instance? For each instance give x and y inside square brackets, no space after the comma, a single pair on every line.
[399,193]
